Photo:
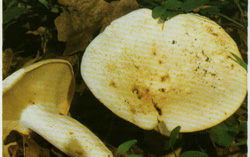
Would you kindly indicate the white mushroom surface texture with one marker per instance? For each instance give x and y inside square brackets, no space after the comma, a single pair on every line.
[38,98]
[179,73]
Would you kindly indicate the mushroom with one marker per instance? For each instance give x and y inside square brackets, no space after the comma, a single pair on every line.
[38,97]
[155,75]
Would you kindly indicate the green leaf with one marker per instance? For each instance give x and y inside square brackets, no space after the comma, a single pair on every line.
[172,138]
[211,10]
[134,155]
[240,61]
[193,154]
[12,13]
[230,19]
[224,133]
[190,5]
[243,126]
[172,4]
[237,2]
[45,3]
[158,11]
[11,3]
[123,148]
[240,143]
[169,14]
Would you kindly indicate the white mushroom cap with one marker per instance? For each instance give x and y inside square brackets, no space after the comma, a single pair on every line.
[37,97]
[34,85]
[180,72]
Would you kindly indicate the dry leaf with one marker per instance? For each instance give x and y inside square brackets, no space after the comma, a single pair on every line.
[31,148]
[86,19]
[7,61]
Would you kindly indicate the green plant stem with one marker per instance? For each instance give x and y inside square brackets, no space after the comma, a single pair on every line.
[152,3]
[173,151]
[228,18]
[238,5]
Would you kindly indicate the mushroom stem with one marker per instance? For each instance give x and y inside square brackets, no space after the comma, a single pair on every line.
[63,132]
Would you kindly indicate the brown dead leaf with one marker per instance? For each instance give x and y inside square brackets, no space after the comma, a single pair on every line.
[64,26]
[7,61]
[15,150]
[67,2]
[86,18]
[31,148]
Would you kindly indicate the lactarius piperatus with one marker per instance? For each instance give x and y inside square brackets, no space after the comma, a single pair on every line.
[177,73]
[38,97]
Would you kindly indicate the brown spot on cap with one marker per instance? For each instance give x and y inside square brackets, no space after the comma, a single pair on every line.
[79,152]
[164,78]
[113,84]
[135,90]
[213,74]
[132,109]
[162,90]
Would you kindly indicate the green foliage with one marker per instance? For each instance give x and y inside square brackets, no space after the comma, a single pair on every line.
[243,126]
[124,147]
[14,9]
[172,138]
[225,133]
[166,9]
[13,13]
[169,8]
[193,154]
[190,5]
[45,3]
[172,4]
[158,12]
[211,10]
[169,14]
[240,61]
[11,3]
[243,142]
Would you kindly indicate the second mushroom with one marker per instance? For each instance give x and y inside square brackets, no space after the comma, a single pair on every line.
[38,98]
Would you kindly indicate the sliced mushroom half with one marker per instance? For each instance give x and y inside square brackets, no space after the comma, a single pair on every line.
[179,73]
[38,97]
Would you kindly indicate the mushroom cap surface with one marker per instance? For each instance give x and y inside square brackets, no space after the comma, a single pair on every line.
[49,83]
[180,72]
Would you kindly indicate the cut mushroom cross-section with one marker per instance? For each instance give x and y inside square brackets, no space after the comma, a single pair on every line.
[38,97]
[177,73]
